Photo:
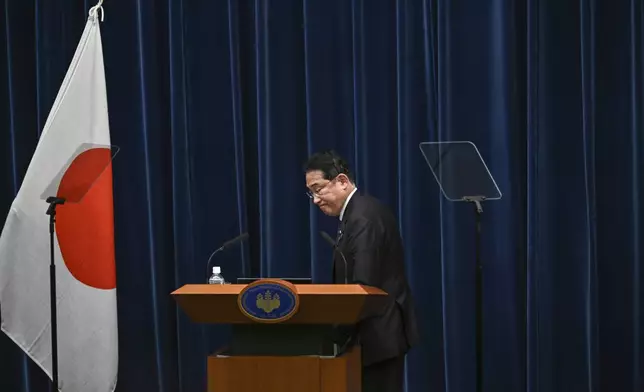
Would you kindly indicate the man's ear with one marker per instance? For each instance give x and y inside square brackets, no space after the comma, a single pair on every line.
[343,179]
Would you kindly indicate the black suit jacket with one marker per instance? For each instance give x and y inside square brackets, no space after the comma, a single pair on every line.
[371,243]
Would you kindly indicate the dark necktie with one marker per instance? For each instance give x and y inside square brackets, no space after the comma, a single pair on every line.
[338,236]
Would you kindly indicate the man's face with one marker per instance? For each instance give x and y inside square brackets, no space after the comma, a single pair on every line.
[329,196]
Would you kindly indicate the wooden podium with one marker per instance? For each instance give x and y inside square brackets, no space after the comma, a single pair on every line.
[281,334]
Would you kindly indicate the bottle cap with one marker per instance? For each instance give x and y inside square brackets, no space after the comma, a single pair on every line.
[216,270]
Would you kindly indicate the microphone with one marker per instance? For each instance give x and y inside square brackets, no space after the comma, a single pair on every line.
[328,239]
[226,244]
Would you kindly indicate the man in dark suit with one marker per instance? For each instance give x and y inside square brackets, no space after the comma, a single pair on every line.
[368,236]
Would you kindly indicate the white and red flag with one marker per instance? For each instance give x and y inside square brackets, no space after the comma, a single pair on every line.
[74,153]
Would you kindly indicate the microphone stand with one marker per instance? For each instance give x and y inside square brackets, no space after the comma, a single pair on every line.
[51,211]
[335,247]
[226,244]
[346,266]
[337,351]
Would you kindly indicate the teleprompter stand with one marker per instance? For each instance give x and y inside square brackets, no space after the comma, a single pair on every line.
[462,175]
[71,185]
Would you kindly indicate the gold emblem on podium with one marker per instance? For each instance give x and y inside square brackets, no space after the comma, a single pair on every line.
[268,302]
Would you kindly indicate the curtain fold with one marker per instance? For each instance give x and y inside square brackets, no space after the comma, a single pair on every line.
[216,105]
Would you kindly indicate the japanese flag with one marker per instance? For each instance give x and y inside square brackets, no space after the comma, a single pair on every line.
[72,161]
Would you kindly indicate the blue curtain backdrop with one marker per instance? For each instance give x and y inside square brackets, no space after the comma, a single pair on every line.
[215,105]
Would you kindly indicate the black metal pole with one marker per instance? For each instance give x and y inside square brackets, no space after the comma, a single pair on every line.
[51,211]
[52,285]
[479,301]
[478,210]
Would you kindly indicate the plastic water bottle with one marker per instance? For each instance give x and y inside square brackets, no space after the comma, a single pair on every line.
[216,277]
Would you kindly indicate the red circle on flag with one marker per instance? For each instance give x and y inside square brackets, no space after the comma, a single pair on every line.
[85,223]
